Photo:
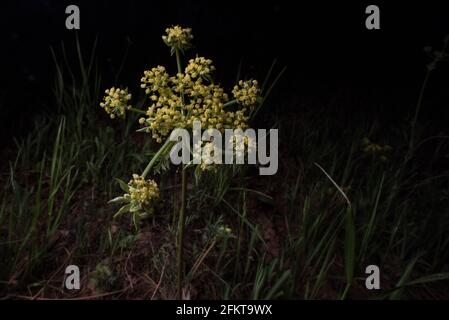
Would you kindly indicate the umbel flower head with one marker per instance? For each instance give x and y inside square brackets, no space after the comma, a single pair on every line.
[178,38]
[177,101]
[247,92]
[154,79]
[115,103]
[199,67]
[140,196]
[143,192]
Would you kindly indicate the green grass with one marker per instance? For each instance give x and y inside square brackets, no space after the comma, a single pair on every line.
[306,233]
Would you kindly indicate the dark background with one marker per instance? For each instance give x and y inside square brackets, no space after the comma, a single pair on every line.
[329,54]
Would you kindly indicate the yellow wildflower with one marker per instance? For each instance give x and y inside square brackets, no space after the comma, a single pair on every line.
[154,79]
[178,38]
[115,103]
[199,67]
[143,192]
[247,92]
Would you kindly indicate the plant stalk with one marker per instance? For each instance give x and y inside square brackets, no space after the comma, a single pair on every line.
[182,213]
[230,103]
[153,160]
[137,111]
[181,225]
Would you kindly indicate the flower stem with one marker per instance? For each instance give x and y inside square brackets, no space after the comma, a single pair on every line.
[178,61]
[153,160]
[137,111]
[179,65]
[230,103]
[182,213]
[181,225]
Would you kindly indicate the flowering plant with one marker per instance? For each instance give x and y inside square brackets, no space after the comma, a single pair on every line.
[176,101]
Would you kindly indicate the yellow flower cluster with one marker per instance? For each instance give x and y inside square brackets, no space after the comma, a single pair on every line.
[206,104]
[178,38]
[190,95]
[164,115]
[177,101]
[199,67]
[154,79]
[115,103]
[144,192]
[246,92]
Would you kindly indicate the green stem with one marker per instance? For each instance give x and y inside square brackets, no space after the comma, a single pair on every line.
[153,160]
[182,213]
[178,61]
[181,226]
[230,103]
[179,65]
[345,293]
[137,111]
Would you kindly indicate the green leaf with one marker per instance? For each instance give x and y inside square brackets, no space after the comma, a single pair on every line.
[118,200]
[123,185]
[430,278]
[122,210]
[349,246]
[275,288]
[136,220]
[397,294]
[260,195]
[144,129]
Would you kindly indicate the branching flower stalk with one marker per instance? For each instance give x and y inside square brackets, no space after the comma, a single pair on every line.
[177,102]
[182,211]
[181,226]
